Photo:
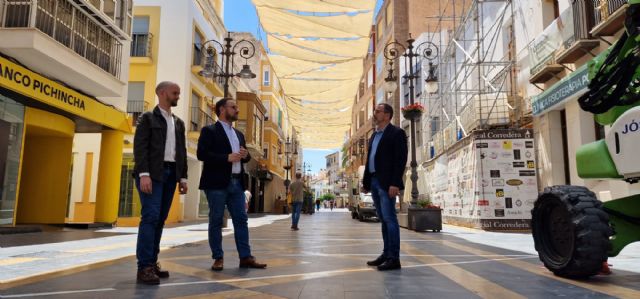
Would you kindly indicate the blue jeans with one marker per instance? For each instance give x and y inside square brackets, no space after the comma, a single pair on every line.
[386,210]
[155,209]
[295,214]
[233,198]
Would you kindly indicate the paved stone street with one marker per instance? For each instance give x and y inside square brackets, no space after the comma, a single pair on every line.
[326,259]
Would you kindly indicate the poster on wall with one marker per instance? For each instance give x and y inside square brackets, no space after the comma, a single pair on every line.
[439,182]
[506,173]
[459,198]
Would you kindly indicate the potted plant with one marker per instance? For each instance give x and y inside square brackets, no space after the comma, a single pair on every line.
[425,216]
[413,111]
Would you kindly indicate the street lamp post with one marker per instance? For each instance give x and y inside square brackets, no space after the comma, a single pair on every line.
[228,51]
[290,148]
[306,167]
[392,52]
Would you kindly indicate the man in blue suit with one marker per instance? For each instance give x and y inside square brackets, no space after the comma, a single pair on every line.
[383,174]
[222,148]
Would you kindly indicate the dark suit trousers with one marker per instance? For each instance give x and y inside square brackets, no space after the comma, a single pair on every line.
[155,209]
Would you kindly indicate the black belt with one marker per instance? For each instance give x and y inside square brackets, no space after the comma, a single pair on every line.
[168,164]
[236,176]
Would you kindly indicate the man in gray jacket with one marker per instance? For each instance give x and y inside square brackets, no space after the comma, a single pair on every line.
[160,154]
[297,195]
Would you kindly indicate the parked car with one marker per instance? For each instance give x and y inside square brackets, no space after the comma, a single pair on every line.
[365,209]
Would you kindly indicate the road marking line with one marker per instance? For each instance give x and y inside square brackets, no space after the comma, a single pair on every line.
[329,273]
[242,293]
[597,285]
[466,279]
[324,240]
[409,255]
[18,260]
[57,293]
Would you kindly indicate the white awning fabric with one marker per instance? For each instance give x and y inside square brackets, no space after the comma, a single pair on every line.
[318,5]
[344,48]
[333,26]
[316,50]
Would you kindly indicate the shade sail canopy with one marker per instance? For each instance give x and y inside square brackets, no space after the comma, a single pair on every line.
[316,50]
[318,5]
[282,46]
[334,26]
[341,49]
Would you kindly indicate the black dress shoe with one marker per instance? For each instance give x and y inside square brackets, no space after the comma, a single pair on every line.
[161,273]
[147,275]
[250,262]
[390,264]
[377,262]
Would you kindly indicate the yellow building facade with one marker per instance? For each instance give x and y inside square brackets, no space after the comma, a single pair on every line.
[162,51]
[277,130]
[59,88]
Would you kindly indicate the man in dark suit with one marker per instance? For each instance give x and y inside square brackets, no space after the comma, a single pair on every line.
[160,156]
[222,148]
[383,174]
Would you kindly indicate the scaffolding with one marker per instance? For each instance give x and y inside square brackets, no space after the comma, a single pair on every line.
[476,72]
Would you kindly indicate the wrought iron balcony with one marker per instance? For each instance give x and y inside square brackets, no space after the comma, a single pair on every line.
[69,26]
[141,44]
[199,119]
[608,17]
[579,41]
[135,108]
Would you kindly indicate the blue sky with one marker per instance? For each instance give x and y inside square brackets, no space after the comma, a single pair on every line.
[241,16]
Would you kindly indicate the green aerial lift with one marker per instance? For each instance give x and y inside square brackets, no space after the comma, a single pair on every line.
[574,232]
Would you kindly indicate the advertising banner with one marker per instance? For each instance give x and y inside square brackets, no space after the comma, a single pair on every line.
[489,183]
[507,169]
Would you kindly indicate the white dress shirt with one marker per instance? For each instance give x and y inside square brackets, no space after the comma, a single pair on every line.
[235,145]
[170,142]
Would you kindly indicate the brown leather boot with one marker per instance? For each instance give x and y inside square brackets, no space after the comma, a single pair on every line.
[161,273]
[147,275]
[218,264]
[250,262]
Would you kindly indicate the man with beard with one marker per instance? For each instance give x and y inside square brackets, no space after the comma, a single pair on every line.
[383,177]
[222,148]
[160,155]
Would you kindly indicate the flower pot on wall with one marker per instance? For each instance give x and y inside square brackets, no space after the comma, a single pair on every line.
[412,114]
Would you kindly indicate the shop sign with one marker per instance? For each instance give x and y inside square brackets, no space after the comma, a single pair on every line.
[503,134]
[20,79]
[574,84]
[28,83]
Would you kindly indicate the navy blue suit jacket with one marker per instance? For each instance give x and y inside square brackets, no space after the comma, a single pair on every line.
[390,159]
[213,150]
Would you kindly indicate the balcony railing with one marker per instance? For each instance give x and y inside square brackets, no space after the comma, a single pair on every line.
[577,39]
[135,108]
[604,8]
[199,119]
[141,44]
[583,20]
[69,26]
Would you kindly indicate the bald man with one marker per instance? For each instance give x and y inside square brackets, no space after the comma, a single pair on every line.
[160,155]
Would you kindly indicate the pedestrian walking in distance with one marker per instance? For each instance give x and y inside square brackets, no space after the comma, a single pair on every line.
[160,156]
[383,177]
[222,149]
[297,196]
